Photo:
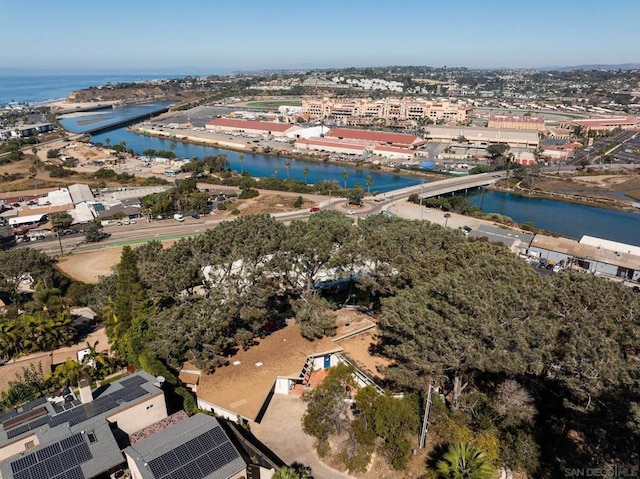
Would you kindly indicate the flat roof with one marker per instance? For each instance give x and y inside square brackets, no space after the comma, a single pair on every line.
[333,143]
[252,124]
[243,387]
[488,134]
[610,245]
[587,252]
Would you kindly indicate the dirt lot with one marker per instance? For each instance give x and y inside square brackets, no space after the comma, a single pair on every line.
[589,185]
[272,203]
[89,266]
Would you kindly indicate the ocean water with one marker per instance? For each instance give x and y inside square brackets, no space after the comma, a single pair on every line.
[35,89]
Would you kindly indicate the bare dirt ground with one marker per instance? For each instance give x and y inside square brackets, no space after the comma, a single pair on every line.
[269,202]
[602,184]
[88,267]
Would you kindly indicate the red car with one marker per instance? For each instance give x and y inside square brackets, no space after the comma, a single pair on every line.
[314,209]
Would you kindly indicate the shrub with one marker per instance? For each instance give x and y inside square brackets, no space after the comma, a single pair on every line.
[250,193]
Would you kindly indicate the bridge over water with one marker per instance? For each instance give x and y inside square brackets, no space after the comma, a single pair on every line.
[448,186]
[127,121]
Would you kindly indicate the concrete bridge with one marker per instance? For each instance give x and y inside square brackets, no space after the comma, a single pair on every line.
[127,121]
[450,185]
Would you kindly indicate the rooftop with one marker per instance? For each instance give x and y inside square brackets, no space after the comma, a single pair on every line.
[243,385]
[196,447]
[251,124]
[377,136]
[50,421]
[78,454]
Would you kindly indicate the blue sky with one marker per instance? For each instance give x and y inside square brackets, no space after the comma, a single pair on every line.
[218,36]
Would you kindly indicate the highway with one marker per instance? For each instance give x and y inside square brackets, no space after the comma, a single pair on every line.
[169,229]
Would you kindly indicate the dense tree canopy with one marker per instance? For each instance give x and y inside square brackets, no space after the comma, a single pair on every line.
[506,345]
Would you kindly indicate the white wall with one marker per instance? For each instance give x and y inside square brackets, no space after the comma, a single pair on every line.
[222,412]
[282,385]
[17,447]
[142,415]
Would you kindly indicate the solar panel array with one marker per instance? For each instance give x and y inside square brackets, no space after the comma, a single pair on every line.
[66,405]
[60,460]
[22,409]
[81,412]
[196,458]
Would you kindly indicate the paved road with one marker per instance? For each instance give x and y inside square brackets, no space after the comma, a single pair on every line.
[144,230]
[281,431]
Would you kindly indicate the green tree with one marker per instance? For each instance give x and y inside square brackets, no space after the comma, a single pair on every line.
[345,175]
[288,472]
[327,410]
[463,461]
[315,316]
[275,171]
[93,232]
[241,159]
[356,195]
[287,165]
[305,172]
[369,182]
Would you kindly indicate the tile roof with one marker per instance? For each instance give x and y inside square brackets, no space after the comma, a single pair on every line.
[377,136]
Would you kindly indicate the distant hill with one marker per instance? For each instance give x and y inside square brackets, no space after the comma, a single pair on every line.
[597,66]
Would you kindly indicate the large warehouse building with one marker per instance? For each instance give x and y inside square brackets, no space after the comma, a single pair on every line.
[484,136]
[251,127]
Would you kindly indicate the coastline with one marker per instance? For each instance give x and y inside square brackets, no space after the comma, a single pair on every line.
[593,201]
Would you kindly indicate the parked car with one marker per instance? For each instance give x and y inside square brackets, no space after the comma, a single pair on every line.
[350,212]
[314,209]
[557,268]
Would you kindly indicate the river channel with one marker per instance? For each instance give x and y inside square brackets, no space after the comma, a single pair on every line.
[568,219]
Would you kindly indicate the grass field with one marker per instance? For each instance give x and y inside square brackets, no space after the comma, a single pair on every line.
[273,104]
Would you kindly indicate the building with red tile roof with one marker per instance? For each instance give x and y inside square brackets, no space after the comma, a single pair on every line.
[253,127]
[380,137]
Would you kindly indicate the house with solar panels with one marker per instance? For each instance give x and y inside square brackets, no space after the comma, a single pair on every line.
[78,437]
[195,448]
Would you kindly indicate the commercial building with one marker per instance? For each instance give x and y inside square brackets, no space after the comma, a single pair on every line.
[251,127]
[400,140]
[483,136]
[517,122]
[605,124]
[387,109]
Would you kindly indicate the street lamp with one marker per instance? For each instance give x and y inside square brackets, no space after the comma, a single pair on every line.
[446,218]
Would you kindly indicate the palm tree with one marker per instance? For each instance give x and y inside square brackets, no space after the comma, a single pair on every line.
[345,175]
[305,172]
[241,158]
[463,461]
[275,171]
[369,182]
[107,141]
[287,165]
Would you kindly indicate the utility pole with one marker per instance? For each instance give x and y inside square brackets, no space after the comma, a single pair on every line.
[425,420]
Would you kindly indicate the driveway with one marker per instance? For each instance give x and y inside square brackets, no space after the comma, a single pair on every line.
[281,431]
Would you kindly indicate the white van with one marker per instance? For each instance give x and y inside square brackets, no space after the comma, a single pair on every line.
[178,217]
